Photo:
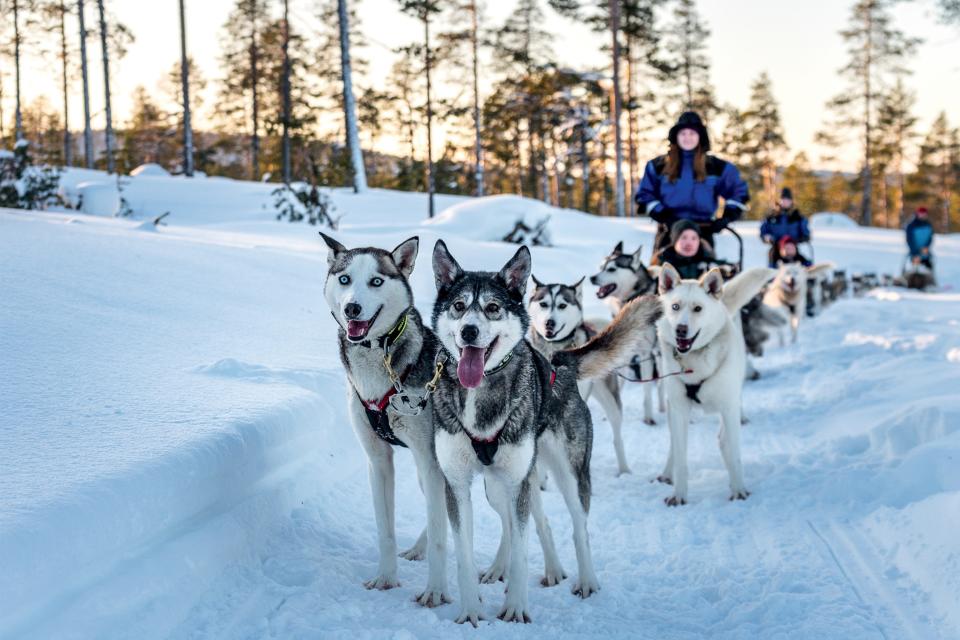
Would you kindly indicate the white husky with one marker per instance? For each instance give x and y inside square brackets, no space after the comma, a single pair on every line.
[788,294]
[704,362]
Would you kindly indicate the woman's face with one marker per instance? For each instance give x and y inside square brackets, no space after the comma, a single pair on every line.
[688,243]
[789,250]
[688,139]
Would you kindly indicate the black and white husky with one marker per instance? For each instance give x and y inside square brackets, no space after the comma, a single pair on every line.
[623,277]
[557,324]
[390,357]
[506,408]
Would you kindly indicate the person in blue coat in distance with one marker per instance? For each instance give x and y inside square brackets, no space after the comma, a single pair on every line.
[920,238]
[687,183]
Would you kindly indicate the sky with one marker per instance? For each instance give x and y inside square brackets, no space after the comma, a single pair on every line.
[797,43]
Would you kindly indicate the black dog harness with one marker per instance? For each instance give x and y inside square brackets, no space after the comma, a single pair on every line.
[693,390]
[377,415]
[486,448]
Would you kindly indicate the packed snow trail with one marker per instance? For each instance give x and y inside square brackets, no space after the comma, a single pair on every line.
[177,461]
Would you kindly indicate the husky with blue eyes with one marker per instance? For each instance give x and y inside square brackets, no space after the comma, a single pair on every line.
[502,407]
[392,362]
[556,324]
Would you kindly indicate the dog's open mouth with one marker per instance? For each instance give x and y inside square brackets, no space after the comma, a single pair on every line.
[685,344]
[550,334]
[357,330]
[471,364]
[606,290]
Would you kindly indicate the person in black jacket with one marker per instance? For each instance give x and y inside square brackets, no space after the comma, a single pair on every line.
[689,254]
[786,221]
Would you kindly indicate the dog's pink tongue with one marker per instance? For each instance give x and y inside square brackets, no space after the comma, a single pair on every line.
[470,367]
[357,328]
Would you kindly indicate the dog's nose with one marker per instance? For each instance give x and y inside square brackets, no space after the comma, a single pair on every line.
[469,333]
[681,331]
[352,310]
[550,324]
[593,280]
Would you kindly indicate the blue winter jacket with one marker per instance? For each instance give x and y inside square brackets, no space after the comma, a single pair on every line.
[666,201]
[786,223]
[919,236]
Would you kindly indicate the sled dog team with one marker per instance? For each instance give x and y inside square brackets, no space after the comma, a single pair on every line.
[496,386]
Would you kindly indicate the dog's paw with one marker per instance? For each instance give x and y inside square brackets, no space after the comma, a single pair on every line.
[552,577]
[743,494]
[514,612]
[650,422]
[414,554]
[664,479]
[382,583]
[585,587]
[674,501]
[496,573]
[432,598]
[471,615]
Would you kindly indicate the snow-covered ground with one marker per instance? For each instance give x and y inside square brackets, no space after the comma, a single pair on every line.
[176,461]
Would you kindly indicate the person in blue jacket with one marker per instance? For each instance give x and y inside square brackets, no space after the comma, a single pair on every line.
[785,221]
[920,238]
[686,183]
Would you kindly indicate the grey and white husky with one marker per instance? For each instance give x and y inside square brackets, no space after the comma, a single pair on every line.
[506,408]
[390,357]
[556,324]
[623,277]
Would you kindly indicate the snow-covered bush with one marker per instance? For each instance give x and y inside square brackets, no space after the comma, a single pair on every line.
[24,186]
[301,201]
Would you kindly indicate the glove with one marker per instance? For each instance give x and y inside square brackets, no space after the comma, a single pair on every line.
[663,216]
[732,213]
[718,225]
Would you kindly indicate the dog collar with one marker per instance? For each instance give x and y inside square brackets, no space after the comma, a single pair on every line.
[501,366]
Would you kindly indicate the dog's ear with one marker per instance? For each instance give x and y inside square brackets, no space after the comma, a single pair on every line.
[516,272]
[712,282]
[405,255]
[335,248]
[635,259]
[536,283]
[445,268]
[578,287]
[617,250]
[669,278]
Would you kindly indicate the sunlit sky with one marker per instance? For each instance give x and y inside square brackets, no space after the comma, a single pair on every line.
[797,43]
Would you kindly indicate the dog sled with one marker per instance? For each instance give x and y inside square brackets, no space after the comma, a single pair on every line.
[916,274]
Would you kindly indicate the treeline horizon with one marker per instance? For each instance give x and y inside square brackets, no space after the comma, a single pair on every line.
[283,106]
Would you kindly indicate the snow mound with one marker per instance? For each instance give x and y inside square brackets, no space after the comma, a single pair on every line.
[150,169]
[832,221]
[98,198]
[489,218]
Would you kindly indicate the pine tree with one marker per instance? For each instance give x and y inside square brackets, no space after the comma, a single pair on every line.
[939,170]
[349,104]
[895,124]
[148,136]
[84,71]
[684,69]
[243,81]
[807,187]
[764,135]
[185,68]
[424,10]
[51,19]
[876,48]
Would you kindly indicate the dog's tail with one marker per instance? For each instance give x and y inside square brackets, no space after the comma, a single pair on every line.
[617,344]
[744,287]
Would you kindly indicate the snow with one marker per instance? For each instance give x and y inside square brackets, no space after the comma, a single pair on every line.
[150,169]
[832,220]
[177,459]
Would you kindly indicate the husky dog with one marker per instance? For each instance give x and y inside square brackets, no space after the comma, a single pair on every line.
[556,324]
[788,294]
[704,360]
[623,277]
[390,357]
[506,409]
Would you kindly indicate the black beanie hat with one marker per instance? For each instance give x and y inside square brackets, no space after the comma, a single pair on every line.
[680,226]
[786,193]
[690,120]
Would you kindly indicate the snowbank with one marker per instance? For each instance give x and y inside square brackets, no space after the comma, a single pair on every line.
[832,221]
[150,169]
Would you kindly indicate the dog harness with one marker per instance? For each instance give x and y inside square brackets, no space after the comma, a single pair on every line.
[486,448]
[693,390]
[377,414]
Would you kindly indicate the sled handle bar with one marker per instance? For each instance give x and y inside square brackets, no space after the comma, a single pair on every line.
[740,242]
